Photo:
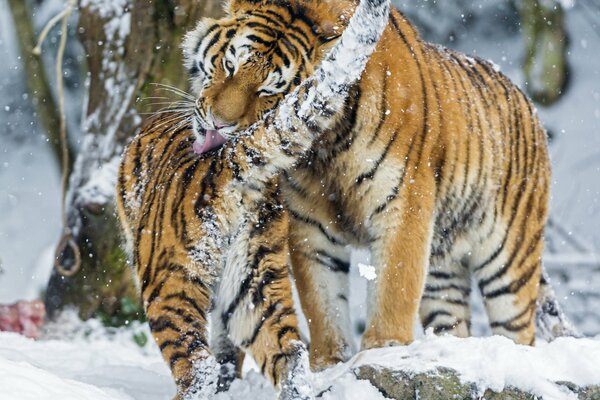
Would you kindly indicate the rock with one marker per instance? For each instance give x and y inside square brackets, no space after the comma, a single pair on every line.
[445,384]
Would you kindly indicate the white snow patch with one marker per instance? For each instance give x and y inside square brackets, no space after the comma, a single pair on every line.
[367,271]
[91,365]
[100,187]
[23,381]
[91,362]
[106,8]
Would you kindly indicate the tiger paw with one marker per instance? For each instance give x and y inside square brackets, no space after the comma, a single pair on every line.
[204,381]
[296,384]
[373,339]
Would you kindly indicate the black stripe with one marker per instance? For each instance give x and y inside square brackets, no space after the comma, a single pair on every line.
[445,299]
[510,262]
[280,53]
[212,42]
[269,277]
[285,330]
[185,316]
[268,313]
[444,275]
[294,185]
[424,93]
[161,324]
[310,221]
[244,288]
[181,296]
[178,356]
[383,108]
[196,343]
[438,288]
[389,199]
[510,324]
[438,329]
[258,39]
[514,286]
[335,264]
[371,173]
[208,32]
[433,315]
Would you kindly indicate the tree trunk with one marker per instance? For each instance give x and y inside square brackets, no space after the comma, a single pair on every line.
[546,44]
[127,48]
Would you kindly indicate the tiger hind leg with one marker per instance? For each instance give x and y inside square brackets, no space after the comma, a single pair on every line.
[551,322]
[508,275]
[445,303]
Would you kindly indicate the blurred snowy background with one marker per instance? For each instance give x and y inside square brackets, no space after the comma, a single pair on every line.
[29,173]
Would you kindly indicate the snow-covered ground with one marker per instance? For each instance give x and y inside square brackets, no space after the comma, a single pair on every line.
[97,364]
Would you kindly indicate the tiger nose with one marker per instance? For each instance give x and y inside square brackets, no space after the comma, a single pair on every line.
[230,106]
[219,123]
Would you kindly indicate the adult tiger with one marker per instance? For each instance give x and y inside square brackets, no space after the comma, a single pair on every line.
[440,162]
[209,231]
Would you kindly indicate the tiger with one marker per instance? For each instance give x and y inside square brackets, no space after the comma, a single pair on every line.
[208,233]
[439,167]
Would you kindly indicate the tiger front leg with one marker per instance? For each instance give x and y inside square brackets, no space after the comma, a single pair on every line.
[402,230]
[176,307]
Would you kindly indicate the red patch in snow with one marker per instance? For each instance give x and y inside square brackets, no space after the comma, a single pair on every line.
[24,317]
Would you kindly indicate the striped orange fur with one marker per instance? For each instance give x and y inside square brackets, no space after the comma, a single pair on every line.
[439,166]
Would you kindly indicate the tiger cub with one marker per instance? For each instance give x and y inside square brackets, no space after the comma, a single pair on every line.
[439,166]
[208,233]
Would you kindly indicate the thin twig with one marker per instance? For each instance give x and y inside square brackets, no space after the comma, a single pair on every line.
[67,239]
[61,105]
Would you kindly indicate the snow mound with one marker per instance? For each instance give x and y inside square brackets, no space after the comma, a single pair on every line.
[100,366]
[491,363]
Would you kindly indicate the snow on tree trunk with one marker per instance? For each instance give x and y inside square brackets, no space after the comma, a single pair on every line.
[129,44]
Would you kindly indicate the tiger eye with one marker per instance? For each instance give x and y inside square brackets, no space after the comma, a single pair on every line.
[229,66]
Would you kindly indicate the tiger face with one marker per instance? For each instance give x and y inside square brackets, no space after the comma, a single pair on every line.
[241,66]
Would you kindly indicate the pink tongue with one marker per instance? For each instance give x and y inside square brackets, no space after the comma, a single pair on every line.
[212,140]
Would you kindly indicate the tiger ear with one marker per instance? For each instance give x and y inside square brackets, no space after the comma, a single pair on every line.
[332,18]
[235,7]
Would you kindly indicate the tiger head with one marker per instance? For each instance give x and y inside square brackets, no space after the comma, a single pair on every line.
[241,66]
